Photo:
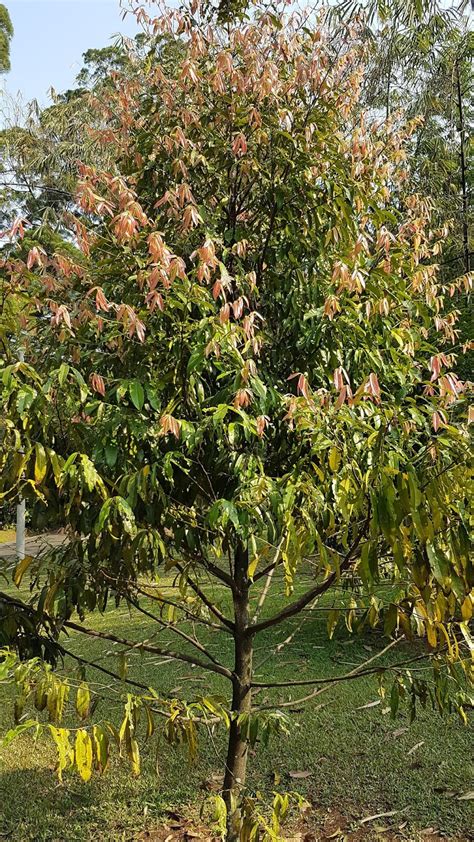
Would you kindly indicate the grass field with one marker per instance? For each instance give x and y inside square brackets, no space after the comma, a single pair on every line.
[361,762]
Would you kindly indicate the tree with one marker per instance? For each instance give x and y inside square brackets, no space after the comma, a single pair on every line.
[239,377]
[40,149]
[6,34]
[423,64]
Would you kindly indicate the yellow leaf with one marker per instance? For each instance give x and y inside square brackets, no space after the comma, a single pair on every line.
[431,633]
[466,608]
[333,617]
[40,463]
[134,755]
[21,569]
[83,700]
[101,747]
[253,566]
[83,754]
[442,629]
[334,459]
[150,723]
[65,752]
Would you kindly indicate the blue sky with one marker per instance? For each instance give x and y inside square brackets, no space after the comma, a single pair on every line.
[50,37]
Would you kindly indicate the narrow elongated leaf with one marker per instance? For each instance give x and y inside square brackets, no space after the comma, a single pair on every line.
[83,754]
[137,394]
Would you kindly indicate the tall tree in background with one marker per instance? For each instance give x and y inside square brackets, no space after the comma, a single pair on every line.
[239,375]
[420,61]
[6,34]
[40,148]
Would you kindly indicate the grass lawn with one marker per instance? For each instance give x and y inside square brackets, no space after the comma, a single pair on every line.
[361,762]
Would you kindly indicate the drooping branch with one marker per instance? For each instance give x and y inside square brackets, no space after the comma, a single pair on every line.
[357,672]
[171,627]
[84,662]
[195,618]
[147,647]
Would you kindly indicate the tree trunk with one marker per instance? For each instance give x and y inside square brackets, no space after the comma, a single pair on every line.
[237,751]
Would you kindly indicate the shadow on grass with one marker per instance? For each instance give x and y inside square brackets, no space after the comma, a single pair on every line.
[35,807]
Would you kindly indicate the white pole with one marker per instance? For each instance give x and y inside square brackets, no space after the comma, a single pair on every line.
[20,509]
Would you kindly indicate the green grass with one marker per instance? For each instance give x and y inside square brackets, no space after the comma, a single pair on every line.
[358,759]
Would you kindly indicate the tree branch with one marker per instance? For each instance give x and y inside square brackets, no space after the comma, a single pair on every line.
[270,571]
[302,602]
[202,596]
[355,673]
[176,630]
[146,647]
[194,617]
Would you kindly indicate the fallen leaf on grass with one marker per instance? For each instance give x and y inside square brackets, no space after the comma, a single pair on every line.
[379,816]
[399,732]
[466,796]
[303,774]
[415,747]
[213,783]
[369,705]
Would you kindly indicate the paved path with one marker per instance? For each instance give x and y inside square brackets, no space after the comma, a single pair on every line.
[34,544]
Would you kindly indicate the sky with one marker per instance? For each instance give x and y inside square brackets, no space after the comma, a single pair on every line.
[50,38]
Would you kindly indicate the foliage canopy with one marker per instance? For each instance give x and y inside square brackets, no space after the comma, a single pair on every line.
[238,366]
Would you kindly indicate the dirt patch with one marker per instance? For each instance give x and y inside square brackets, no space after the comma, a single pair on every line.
[333,826]
[328,826]
[177,828]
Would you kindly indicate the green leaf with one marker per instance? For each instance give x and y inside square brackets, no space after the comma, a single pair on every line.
[390,620]
[394,698]
[111,454]
[13,733]
[439,563]
[137,394]
[63,373]
[21,569]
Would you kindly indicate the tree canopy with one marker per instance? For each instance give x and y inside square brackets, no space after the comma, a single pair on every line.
[6,34]
[239,371]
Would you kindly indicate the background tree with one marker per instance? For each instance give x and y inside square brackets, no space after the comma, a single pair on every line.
[6,34]
[240,378]
[40,149]
[421,62]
